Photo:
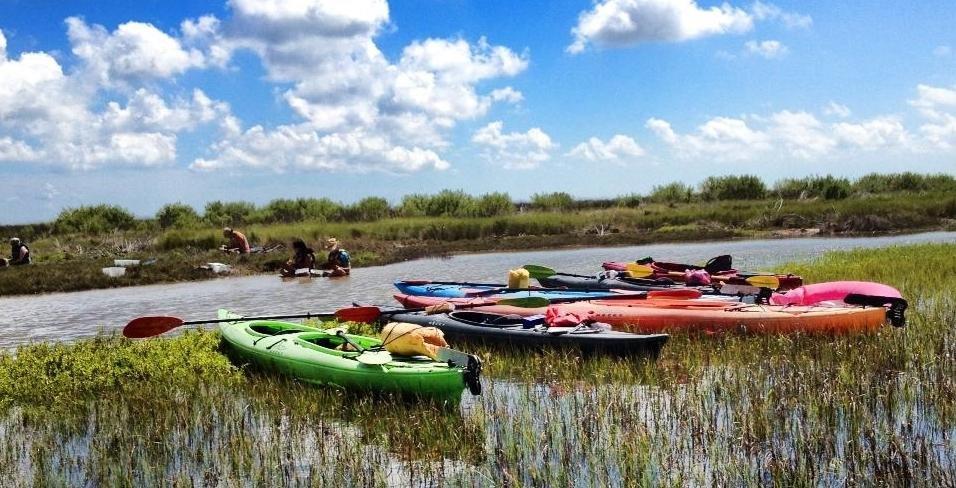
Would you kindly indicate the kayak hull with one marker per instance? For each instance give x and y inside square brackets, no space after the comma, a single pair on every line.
[450,290]
[310,355]
[703,315]
[578,282]
[497,329]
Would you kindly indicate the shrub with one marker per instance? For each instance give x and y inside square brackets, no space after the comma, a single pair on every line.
[413,205]
[228,213]
[746,187]
[551,201]
[450,203]
[176,215]
[286,210]
[494,205]
[369,209]
[908,181]
[630,201]
[827,187]
[94,219]
[675,192]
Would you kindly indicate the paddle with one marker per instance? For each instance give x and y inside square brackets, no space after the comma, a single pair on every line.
[762,281]
[371,358]
[142,327]
[537,271]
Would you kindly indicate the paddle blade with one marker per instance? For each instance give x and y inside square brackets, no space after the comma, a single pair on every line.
[675,293]
[639,270]
[537,271]
[143,327]
[771,282]
[525,302]
[358,314]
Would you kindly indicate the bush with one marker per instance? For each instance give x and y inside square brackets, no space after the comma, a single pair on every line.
[284,210]
[908,181]
[630,201]
[449,203]
[552,201]
[228,213]
[413,205]
[746,187]
[675,192]
[176,216]
[95,219]
[827,187]
[369,209]
[494,205]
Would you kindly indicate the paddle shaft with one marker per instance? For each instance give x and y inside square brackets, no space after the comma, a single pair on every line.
[264,317]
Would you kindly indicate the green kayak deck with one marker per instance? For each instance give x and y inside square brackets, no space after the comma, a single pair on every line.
[313,355]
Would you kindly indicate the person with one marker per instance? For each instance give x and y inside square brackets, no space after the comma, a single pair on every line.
[304,258]
[338,263]
[238,243]
[19,252]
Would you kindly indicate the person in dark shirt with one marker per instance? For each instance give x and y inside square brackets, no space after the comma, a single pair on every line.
[19,252]
[302,261]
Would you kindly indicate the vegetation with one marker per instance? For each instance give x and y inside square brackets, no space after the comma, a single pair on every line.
[70,252]
[728,410]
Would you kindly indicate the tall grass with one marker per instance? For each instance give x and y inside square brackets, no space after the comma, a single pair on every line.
[720,411]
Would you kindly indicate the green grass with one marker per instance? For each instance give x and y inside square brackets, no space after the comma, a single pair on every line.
[731,410]
[69,263]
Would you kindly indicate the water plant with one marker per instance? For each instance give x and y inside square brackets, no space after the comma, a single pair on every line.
[726,410]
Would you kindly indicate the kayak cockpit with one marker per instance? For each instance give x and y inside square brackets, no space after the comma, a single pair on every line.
[484,319]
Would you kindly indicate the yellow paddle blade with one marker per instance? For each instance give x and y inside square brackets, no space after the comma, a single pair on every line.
[771,282]
[639,270]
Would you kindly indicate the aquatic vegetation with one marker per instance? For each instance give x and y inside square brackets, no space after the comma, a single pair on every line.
[725,410]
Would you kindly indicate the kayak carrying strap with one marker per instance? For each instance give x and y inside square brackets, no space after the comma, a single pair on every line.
[895,312]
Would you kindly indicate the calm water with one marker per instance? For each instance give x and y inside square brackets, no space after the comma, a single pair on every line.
[67,316]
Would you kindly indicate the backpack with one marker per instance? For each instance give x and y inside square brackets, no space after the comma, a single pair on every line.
[344,260]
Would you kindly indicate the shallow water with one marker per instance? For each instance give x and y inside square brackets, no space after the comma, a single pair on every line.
[69,316]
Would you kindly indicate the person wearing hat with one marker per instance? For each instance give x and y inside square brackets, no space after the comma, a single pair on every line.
[19,252]
[339,263]
[238,243]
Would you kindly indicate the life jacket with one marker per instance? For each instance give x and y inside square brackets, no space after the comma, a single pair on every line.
[340,257]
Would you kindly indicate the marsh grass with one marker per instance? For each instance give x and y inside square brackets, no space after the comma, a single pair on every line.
[726,410]
[73,262]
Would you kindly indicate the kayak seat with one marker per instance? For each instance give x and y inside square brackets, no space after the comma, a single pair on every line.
[488,319]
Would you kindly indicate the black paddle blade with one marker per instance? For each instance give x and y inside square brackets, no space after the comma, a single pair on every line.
[143,327]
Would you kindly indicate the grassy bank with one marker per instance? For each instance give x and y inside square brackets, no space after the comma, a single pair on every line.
[730,411]
[73,261]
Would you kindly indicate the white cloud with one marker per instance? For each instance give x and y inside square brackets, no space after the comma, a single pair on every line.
[344,89]
[837,109]
[767,49]
[769,11]
[618,148]
[51,118]
[617,23]
[513,150]
[299,147]
[782,135]
[938,106]
[942,51]
[134,52]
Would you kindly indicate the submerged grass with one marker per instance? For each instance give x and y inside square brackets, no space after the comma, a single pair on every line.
[728,410]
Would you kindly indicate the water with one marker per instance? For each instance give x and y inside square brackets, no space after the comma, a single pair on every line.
[69,316]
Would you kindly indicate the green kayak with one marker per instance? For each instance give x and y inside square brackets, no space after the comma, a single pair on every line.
[312,355]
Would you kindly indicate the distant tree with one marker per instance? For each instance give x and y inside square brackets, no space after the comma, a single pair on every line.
[93,219]
[746,187]
[176,215]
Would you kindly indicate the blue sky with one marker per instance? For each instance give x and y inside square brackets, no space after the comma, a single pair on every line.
[145,103]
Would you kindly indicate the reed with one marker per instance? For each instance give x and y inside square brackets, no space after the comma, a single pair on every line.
[726,410]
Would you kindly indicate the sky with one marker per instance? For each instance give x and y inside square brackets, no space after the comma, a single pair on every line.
[145,103]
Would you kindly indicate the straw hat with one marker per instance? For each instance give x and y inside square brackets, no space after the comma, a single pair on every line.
[331,242]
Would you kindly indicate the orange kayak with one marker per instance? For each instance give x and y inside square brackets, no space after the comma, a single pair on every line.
[700,315]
